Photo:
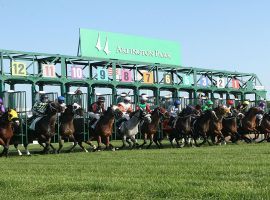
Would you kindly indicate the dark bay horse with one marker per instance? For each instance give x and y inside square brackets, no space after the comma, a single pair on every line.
[201,127]
[215,129]
[264,127]
[230,126]
[248,124]
[67,128]
[7,122]
[183,126]
[150,129]
[45,127]
[104,128]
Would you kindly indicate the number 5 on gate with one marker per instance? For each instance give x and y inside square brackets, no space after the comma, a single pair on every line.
[148,77]
[18,69]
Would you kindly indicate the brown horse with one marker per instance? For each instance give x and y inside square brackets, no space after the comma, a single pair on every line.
[248,124]
[104,128]
[264,127]
[215,129]
[7,122]
[45,127]
[230,126]
[201,127]
[67,126]
[150,129]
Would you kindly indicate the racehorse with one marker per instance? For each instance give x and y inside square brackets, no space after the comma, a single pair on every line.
[45,127]
[104,128]
[8,121]
[201,127]
[130,128]
[229,126]
[150,129]
[264,127]
[216,124]
[67,126]
[248,124]
[183,127]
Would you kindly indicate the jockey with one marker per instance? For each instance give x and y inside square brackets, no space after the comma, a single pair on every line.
[230,107]
[259,117]
[61,101]
[96,110]
[174,111]
[126,109]
[38,110]
[39,107]
[145,107]
[2,108]
[244,107]
[208,105]
[121,97]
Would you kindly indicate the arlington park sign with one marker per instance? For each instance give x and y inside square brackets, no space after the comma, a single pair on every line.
[108,45]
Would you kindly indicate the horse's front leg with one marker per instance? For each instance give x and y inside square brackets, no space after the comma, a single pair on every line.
[144,141]
[109,146]
[6,147]
[61,144]
[71,137]
[123,141]
[151,141]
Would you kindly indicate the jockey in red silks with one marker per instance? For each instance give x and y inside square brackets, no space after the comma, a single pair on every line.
[125,107]
[96,110]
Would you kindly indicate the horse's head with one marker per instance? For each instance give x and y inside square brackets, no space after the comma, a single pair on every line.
[140,113]
[221,110]
[160,112]
[53,108]
[254,111]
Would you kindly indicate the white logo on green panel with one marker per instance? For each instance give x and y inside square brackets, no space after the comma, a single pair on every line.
[106,48]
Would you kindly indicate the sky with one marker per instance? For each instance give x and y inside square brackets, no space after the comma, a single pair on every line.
[228,35]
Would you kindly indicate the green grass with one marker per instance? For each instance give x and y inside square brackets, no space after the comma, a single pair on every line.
[217,172]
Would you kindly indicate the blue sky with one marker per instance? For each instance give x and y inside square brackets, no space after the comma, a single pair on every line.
[231,35]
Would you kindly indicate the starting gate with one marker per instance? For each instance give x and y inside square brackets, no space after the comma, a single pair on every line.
[17,100]
[80,122]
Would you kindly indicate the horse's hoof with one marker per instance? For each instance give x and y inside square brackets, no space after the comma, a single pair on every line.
[117,148]
[113,149]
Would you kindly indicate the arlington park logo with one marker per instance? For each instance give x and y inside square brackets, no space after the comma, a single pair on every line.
[99,47]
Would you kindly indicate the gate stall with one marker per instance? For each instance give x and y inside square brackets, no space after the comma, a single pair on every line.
[17,100]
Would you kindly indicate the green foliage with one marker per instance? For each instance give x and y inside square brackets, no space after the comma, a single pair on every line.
[217,172]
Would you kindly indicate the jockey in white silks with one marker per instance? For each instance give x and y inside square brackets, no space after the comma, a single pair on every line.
[126,108]
[259,117]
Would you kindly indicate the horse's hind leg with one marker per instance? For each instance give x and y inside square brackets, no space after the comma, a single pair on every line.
[26,149]
[156,141]
[151,141]
[6,147]
[124,142]
[109,146]
[61,144]
[18,150]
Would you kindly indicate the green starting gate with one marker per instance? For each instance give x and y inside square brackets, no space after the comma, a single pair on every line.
[17,101]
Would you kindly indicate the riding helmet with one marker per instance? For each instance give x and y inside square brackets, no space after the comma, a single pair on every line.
[230,102]
[43,96]
[209,102]
[61,98]
[177,102]
[102,99]
[245,103]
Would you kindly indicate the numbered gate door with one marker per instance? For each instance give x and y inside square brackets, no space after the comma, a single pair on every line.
[81,123]
[17,101]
